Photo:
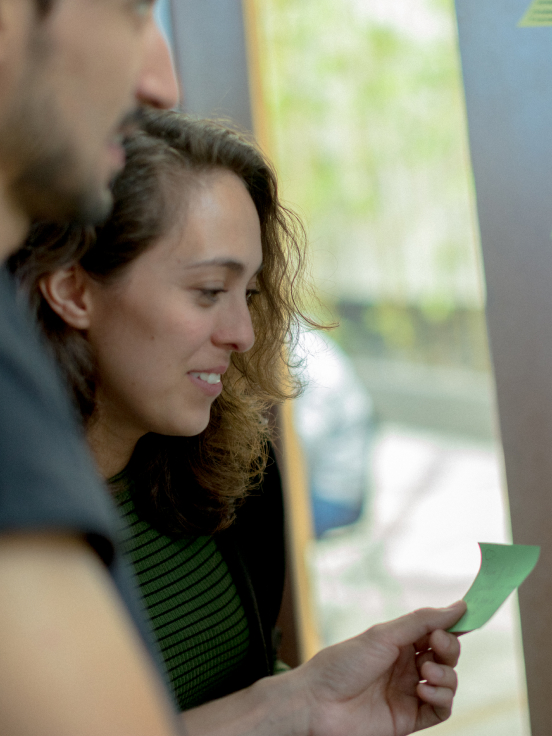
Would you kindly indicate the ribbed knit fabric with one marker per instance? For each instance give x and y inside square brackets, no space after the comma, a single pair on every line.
[194,607]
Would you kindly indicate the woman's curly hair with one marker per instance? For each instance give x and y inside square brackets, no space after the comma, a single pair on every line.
[188,484]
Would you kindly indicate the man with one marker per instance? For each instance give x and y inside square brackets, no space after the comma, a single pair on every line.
[72,75]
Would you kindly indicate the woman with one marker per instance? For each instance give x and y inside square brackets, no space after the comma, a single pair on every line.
[170,323]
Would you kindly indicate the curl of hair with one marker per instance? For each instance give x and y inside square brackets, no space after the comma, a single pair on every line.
[188,484]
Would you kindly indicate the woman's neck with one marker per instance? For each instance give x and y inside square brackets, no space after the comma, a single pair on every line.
[112,449]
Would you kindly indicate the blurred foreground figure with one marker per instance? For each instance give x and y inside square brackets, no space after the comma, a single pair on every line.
[72,75]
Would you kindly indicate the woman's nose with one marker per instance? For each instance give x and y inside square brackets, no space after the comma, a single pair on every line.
[235,331]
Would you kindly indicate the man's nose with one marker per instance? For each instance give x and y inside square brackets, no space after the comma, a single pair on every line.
[157,86]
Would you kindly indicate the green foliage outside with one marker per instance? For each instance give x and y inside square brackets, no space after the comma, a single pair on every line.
[369,139]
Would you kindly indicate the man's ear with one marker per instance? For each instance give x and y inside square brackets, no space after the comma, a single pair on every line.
[67,293]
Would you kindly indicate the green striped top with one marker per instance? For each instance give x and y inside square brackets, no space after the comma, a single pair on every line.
[196,613]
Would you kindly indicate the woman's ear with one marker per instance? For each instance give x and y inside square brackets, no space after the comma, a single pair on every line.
[67,293]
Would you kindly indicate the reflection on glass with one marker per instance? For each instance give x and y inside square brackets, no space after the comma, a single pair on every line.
[334,419]
[368,134]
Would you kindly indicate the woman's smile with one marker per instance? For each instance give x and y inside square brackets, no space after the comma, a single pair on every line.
[208,381]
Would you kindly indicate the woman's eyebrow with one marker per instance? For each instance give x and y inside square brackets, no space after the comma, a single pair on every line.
[234,266]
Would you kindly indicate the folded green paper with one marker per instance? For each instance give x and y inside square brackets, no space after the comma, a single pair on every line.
[503,568]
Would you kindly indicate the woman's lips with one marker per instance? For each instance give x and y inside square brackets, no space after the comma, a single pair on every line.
[209,383]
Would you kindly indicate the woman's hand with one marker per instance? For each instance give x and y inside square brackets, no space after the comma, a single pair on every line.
[392,680]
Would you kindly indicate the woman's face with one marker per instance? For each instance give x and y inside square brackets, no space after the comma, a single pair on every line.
[163,333]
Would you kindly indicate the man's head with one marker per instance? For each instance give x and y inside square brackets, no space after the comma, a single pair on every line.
[73,73]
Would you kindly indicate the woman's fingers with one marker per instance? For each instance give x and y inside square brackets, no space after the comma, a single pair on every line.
[439,700]
[437,693]
[426,641]
[415,627]
[438,655]
[439,676]
[445,647]
[424,657]
[446,650]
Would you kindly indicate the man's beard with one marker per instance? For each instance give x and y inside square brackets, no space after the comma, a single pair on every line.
[47,178]
[45,175]
[41,192]
[48,182]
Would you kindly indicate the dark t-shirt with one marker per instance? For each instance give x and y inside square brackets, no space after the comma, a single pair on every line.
[47,479]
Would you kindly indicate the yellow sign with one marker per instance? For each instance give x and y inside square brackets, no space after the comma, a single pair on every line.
[538,14]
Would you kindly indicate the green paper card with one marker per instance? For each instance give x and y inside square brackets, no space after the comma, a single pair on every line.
[538,14]
[503,568]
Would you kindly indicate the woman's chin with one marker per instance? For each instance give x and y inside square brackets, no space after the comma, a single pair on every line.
[189,428]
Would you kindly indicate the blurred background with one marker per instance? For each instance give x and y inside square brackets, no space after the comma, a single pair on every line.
[359,103]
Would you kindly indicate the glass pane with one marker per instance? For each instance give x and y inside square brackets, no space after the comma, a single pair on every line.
[367,129]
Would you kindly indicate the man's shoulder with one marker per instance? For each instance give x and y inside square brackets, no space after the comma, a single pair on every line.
[24,365]
[46,475]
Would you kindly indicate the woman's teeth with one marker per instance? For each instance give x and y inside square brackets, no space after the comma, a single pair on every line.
[208,377]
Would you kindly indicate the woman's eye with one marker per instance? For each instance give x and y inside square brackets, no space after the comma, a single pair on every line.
[211,295]
[251,294]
